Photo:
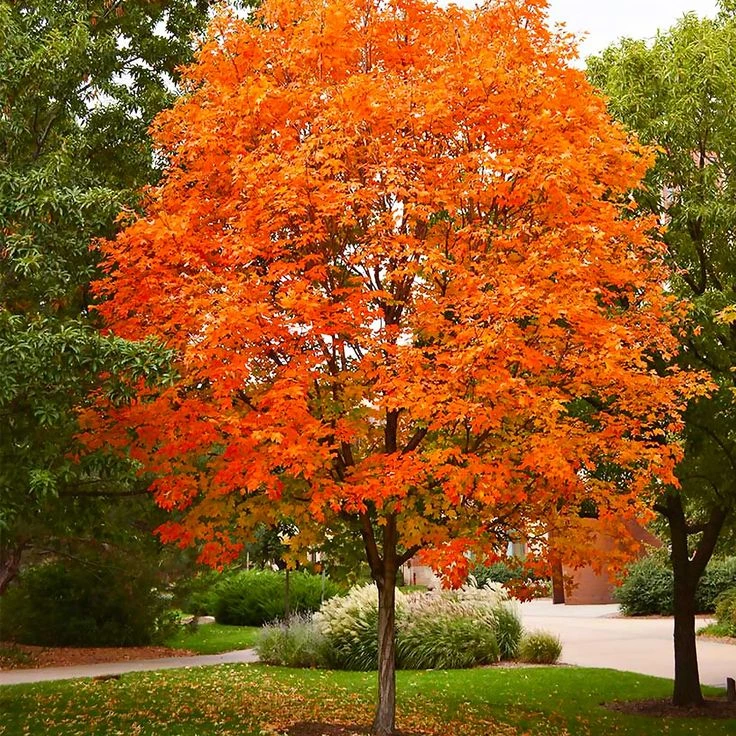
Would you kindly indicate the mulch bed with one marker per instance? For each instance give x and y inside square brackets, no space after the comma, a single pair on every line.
[316,728]
[23,656]
[664,708]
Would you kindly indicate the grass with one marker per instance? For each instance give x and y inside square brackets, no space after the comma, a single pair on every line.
[256,700]
[716,629]
[213,638]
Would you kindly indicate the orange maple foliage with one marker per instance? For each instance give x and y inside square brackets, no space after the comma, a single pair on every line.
[390,250]
[395,254]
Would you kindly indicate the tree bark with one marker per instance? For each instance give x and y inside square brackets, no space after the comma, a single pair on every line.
[687,690]
[287,602]
[384,569]
[687,573]
[384,723]
[558,581]
[9,565]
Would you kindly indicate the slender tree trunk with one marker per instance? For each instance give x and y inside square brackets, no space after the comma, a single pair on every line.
[9,565]
[385,720]
[287,602]
[384,568]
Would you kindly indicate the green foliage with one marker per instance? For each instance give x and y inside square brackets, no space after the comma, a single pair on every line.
[499,572]
[647,588]
[719,577]
[294,643]
[540,647]
[194,593]
[79,86]
[255,597]
[677,94]
[102,601]
[726,611]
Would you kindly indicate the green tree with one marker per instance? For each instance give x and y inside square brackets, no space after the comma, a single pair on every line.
[678,94]
[80,83]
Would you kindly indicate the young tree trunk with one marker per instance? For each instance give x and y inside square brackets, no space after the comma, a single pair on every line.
[384,569]
[687,573]
[287,602]
[385,720]
[9,565]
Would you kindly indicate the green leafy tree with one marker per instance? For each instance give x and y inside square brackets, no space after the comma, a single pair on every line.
[79,85]
[679,95]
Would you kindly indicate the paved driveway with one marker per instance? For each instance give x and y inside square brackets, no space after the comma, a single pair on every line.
[594,636]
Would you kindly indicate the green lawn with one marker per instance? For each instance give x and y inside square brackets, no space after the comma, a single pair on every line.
[256,700]
[214,638]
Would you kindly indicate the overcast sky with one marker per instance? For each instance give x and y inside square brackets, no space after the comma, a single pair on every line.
[608,20]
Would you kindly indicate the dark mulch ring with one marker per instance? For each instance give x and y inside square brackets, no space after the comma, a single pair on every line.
[712,709]
[315,728]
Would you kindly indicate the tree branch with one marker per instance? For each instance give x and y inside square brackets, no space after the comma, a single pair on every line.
[414,442]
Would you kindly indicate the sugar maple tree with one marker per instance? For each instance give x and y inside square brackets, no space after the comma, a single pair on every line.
[392,256]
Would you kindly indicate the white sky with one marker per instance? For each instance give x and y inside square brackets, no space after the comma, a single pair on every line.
[606,21]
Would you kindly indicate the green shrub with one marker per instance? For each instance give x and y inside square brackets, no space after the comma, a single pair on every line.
[445,642]
[719,577]
[100,601]
[540,647]
[648,585]
[726,611]
[256,597]
[296,643]
[647,588]
[498,572]
[195,594]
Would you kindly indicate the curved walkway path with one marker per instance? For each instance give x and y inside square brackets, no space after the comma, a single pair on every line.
[15,677]
[595,636]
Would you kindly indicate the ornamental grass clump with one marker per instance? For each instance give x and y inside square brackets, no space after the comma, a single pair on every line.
[350,624]
[294,643]
[445,642]
[540,647]
[447,630]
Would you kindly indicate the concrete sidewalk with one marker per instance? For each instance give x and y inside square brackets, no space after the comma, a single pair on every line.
[594,636]
[15,677]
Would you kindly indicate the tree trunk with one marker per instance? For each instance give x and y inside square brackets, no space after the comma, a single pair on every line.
[385,720]
[287,602]
[687,573]
[9,565]
[687,678]
[558,581]
[384,569]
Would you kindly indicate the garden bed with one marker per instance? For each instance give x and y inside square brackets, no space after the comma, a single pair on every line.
[23,656]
